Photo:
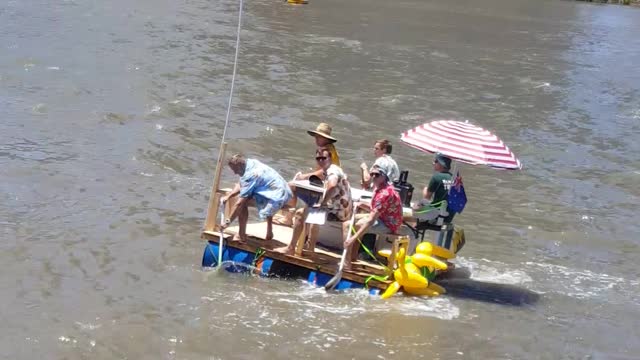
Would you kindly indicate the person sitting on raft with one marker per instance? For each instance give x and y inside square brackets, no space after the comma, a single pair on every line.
[324,140]
[336,199]
[382,151]
[384,217]
[322,135]
[436,191]
[260,183]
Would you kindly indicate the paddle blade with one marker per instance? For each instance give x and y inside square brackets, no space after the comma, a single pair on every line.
[331,284]
[336,278]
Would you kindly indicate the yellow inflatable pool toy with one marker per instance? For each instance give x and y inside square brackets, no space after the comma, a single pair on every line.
[408,276]
[442,252]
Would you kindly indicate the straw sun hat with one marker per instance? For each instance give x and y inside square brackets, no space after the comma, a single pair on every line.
[323,130]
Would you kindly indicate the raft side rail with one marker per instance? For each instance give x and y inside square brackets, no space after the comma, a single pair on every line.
[318,262]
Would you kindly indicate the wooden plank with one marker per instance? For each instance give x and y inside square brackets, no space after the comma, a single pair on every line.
[320,260]
[214,197]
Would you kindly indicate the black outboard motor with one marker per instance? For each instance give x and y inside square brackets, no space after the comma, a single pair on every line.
[404,189]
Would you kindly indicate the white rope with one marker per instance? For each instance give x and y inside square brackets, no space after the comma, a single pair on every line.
[233,78]
[224,133]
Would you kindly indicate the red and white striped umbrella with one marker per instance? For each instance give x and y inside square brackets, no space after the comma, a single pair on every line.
[462,141]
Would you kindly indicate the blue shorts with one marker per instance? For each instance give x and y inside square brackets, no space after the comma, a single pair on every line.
[310,198]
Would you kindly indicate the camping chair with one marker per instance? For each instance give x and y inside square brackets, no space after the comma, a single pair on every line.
[440,221]
[442,213]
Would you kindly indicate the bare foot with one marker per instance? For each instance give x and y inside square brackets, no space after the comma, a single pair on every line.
[269,236]
[284,250]
[239,239]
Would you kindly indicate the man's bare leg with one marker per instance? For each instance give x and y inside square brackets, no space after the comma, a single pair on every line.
[243,218]
[352,251]
[356,244]
[298,226]
[269,236]
[346,232]
[314,231]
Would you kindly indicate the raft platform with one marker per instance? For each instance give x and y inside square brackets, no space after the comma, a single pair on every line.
[316,267]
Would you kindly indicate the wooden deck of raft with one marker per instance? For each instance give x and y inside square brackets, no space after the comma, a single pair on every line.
[321,260]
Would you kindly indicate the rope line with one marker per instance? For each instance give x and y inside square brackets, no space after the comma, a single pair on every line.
[233,77]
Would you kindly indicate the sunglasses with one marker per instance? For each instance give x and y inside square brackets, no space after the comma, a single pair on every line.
[321,158]
[375,175]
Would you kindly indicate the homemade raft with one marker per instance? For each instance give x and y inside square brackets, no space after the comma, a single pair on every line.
[320,266]
[317,268]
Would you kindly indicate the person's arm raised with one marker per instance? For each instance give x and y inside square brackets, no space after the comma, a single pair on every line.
[365,176]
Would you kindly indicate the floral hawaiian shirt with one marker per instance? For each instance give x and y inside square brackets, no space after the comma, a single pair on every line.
[340,204]
[387,203]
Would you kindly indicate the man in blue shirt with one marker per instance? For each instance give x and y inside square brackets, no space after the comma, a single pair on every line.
[260,183]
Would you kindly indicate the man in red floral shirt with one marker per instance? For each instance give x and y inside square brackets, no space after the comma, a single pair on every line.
[385,214]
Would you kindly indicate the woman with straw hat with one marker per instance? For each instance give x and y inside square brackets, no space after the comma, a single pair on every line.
[323,137]
[324,141]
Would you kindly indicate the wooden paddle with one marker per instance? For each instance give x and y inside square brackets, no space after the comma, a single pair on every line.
[331,284]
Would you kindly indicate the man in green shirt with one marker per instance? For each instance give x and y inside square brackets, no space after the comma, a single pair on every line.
[437,190]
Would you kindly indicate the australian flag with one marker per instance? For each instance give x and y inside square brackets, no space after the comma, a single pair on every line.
[457,198]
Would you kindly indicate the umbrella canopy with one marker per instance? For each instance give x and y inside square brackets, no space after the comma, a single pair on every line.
[462,141]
